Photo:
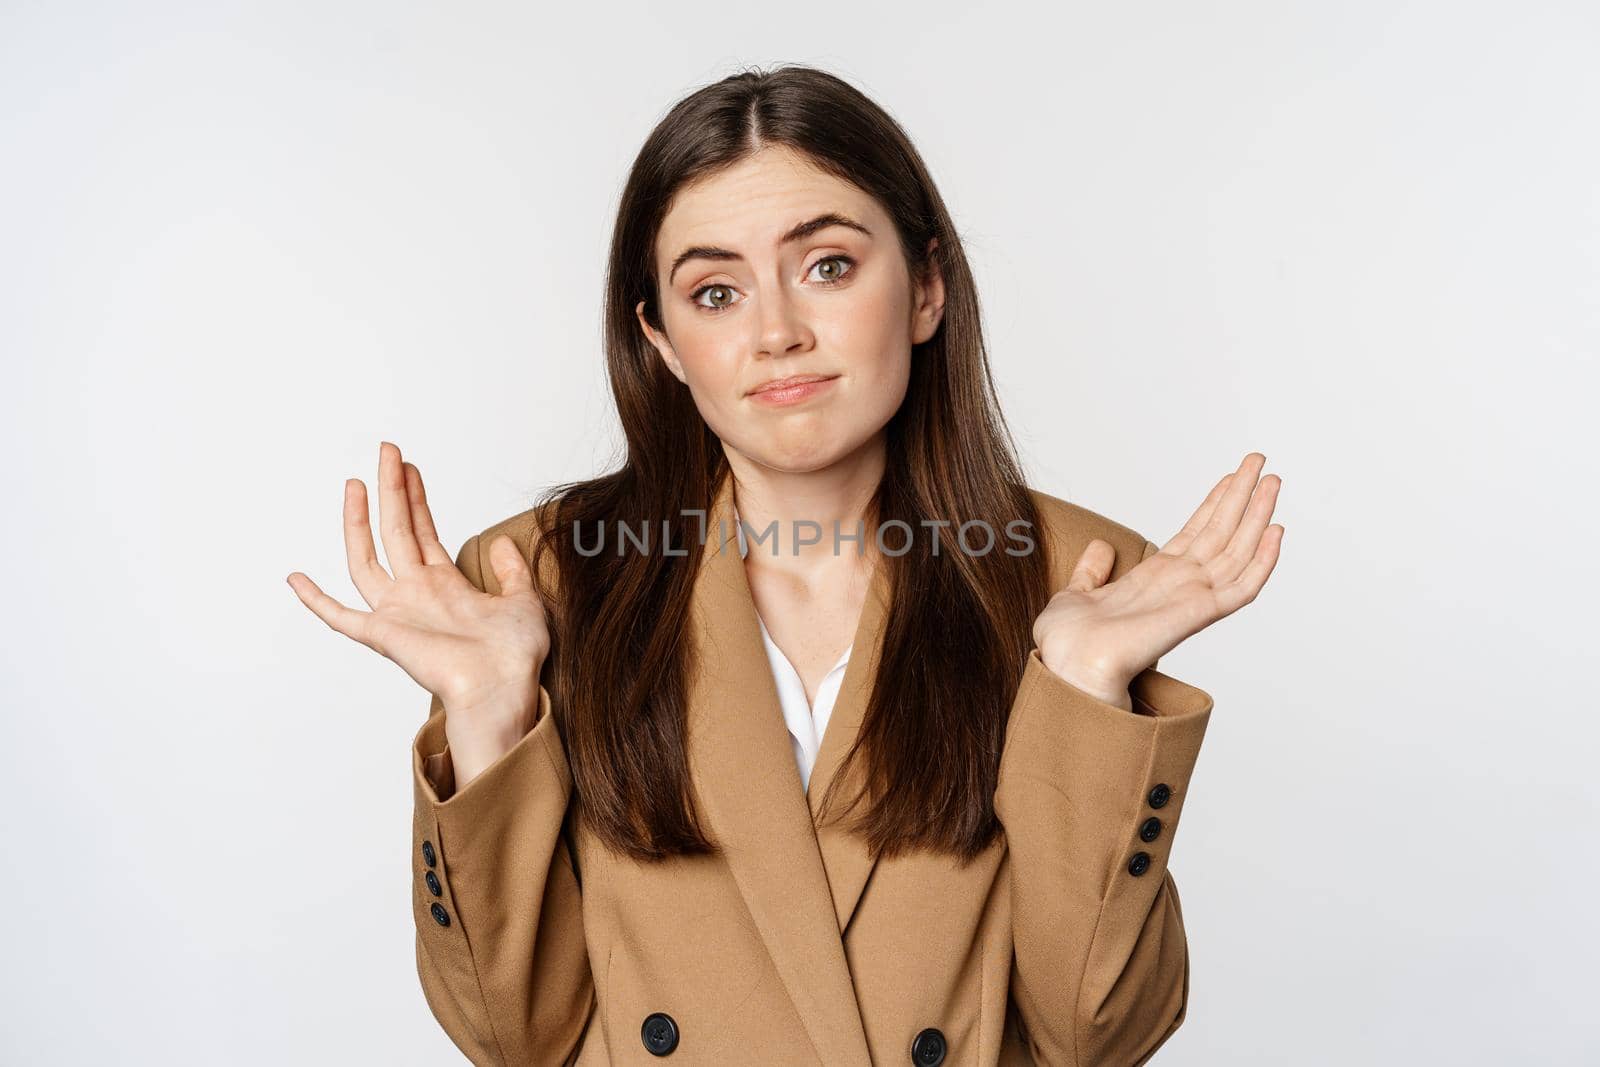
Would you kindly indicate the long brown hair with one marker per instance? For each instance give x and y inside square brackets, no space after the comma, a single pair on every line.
[959,630]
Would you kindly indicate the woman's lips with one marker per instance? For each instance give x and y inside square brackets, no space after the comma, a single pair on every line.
[781,395]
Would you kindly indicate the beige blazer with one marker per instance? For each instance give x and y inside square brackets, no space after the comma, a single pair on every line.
[1061,944]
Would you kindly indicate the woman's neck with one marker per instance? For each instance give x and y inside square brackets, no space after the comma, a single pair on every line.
[805,523]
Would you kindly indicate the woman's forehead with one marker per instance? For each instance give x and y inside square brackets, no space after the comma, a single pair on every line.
[749,207]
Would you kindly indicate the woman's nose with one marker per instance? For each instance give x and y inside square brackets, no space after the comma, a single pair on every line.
[782,322]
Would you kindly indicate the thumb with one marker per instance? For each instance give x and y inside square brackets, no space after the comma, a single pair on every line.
[1093,567]
[510,569]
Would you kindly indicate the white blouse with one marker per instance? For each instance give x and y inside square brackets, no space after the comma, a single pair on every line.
[806,721]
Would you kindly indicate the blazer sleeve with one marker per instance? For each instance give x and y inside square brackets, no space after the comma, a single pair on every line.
[1090,797]
[495,897]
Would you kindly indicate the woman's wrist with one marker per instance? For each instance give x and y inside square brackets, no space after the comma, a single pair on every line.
[480,736]
[1100,684]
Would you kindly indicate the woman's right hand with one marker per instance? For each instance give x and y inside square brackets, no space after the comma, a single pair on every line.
[479,653]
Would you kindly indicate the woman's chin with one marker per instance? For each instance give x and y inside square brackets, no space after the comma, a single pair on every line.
[800,446]
[805,456]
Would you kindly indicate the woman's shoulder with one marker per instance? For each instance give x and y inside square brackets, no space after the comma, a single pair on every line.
[1069,527]
[524,530]
[523,527]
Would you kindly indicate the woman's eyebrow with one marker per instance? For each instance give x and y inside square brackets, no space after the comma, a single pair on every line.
[796,233]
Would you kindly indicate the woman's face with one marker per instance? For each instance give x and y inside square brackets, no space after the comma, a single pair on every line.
[743,307]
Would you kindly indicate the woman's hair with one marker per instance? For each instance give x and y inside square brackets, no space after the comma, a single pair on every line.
[960,625]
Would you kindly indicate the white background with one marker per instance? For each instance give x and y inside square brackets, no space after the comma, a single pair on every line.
[241,244]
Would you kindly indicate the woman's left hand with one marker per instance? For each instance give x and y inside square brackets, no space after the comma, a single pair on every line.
[1098,636]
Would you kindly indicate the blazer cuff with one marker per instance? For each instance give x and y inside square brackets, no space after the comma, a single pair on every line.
[1108,783]
[435,771]
[483,849]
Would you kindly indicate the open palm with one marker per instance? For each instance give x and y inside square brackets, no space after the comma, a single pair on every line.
[478,652]
[1100,635]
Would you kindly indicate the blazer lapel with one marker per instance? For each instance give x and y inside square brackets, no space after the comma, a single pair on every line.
[742,767]
[844,854]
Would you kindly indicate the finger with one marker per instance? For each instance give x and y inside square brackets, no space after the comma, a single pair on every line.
[394,513]
[1225,516]
[505,560]
[348,621]
[422,519]
[1243,589]
[1241,547]
[371,580]
[1093,567]
[1180,541]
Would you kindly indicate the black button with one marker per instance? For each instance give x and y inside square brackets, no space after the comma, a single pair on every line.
[1148,832]
[1136,866]
[427,853]
[441,916]
[1159,796]
[433,883]
[660,1033]
[928,1048]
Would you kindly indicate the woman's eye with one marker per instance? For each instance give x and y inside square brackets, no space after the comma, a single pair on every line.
[838,272]
[720,292]
[835,269]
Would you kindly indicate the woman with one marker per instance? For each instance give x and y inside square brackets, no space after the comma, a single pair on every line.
[624,846]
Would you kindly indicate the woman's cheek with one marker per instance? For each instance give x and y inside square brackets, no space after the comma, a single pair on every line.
[708,362]
[891,370]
